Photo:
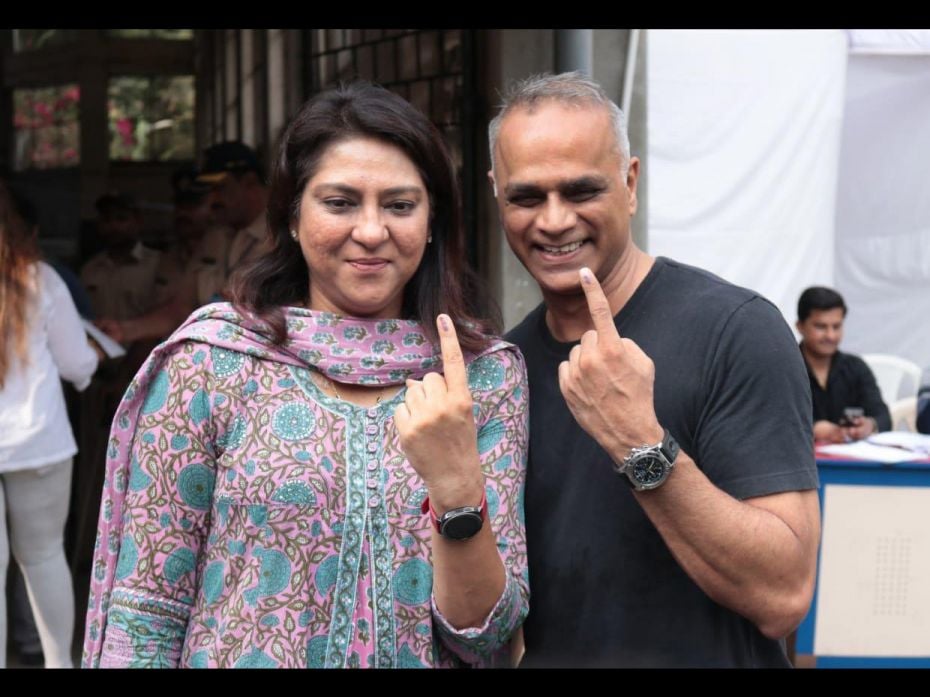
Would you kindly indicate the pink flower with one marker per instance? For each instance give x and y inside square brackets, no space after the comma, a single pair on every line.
[124,128]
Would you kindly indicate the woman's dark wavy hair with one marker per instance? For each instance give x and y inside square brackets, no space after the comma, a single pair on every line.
[443,282]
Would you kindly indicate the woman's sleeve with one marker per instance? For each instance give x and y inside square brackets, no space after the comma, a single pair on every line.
[499,388]
[67,341]
[166,517]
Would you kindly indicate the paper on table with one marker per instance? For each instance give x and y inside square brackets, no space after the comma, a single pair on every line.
[110,347]
[861,450]
[918,442]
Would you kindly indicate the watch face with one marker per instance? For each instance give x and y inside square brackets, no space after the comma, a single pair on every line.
[648,471]
[462,526]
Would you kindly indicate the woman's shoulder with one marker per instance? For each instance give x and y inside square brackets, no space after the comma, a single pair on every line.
[499,365]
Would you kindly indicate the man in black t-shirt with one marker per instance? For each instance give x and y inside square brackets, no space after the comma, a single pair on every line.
[671,507]
[838,380]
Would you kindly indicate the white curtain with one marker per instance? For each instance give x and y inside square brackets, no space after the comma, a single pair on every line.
[883,200]
[744,138]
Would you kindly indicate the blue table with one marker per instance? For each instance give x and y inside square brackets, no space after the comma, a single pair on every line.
[843,471]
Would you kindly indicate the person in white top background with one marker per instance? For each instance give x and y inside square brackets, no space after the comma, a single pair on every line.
[41,341]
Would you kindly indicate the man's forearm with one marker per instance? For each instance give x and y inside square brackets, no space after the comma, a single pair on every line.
[757,558]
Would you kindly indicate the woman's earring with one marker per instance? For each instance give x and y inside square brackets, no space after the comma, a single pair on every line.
[294,235]
[429,239]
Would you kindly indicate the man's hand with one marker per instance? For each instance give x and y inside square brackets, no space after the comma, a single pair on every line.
[608,381]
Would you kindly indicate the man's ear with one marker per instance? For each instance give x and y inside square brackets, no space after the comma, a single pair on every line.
[493,181]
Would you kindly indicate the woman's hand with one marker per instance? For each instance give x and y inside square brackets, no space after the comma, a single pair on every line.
[437,428]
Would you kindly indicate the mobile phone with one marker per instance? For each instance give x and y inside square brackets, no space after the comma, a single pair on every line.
[851,415]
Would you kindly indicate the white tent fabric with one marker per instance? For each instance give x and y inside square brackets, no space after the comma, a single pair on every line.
[883,206]
[889,41]
[783,159]
[744,139]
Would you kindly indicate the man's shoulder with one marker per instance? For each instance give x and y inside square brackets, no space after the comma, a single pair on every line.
[685,280]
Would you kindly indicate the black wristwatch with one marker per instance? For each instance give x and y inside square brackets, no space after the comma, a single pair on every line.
[649,466]
[459,523]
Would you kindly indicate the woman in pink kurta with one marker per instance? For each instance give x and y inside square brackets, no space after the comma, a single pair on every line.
[280,468]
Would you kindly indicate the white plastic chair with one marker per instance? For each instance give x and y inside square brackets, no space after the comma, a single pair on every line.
[904,415]
[892,374]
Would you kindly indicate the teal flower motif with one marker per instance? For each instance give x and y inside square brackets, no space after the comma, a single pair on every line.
[339,369]
[249,467]
[326,464]
[369,380]
[408,541]
[490,435]
[414,502]
[198,660]
[165,520]
[311,356]
[138,479]
[414,339]
[274,575]
[258,513]
[302,455]
[286,382]
[179,442]
[371,362]
[407,659]
[222,509]
[413,582]
[388,326]
[294,492]
[128,557]
[355,333]
[323,338]
[199,407]
[503,464]
[269,621]
[316,529]
[383,346]
[293,421]
[234,436]
[430,362]
[325,576]
[304,618]
[198,357]
[316,652]
[157,395]
[148,437]
[213,581]
[236,547]
[494,502]
[225,362]
[485,374]
[251,387]
[255,659]
[195,485]
[218,400]
[182,561]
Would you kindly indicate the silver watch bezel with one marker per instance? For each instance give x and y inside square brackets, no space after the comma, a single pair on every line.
[625,468]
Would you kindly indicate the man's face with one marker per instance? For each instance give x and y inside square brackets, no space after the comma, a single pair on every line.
[563,200]
[119,228]
[822,332]
[228,201]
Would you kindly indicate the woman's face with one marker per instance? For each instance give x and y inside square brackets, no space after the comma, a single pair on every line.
[363,226]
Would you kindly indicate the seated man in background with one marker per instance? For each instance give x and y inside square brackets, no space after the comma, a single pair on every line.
[839,381]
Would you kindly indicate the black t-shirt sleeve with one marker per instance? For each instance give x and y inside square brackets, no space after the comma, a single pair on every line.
[869,394]
[754,436]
